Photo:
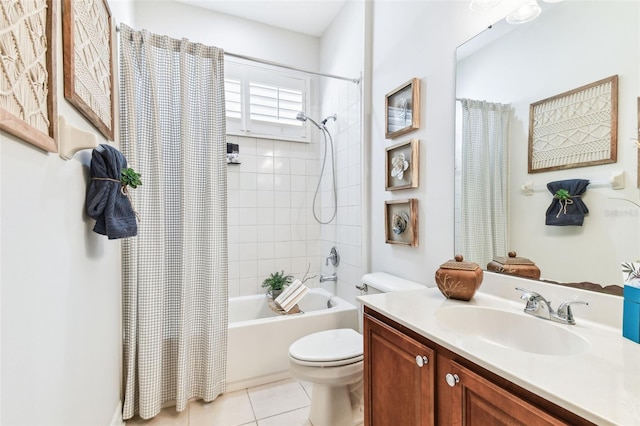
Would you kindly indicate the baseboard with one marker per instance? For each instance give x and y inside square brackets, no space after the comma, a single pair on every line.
[117,419]
[257,381]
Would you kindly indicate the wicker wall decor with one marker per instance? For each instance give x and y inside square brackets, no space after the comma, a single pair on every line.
[27,71]
[575,129]
[88,61]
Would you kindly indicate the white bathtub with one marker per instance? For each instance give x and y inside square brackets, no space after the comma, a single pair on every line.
[259,339]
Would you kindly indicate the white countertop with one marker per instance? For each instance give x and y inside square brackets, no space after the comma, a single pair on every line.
[601,385]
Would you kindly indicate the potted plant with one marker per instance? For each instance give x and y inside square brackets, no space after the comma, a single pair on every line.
[276,282]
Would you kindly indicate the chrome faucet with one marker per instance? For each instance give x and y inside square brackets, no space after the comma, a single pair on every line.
[333,277]
[540,307]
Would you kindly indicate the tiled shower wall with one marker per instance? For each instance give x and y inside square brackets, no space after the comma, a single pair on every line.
[270,194]
[270,227]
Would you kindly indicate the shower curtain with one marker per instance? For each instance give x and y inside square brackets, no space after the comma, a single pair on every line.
[175,271]
[485,128]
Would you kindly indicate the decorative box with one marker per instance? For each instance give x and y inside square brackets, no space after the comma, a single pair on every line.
[631,313]
[458,279]
[514,265]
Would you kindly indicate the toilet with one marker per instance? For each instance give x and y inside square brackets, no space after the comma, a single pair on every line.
[332,360]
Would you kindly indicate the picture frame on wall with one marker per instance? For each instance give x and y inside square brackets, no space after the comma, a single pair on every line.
[577,128]
[402,109]
[87,35]
[28,107]
[401,222]
[402,165]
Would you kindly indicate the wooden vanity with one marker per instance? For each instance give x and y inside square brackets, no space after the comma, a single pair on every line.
[419,372]
[409,380]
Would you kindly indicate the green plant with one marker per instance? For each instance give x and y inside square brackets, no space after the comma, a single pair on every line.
[129,177]
[277,281]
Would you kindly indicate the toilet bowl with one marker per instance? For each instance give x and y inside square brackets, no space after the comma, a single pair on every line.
[332,360]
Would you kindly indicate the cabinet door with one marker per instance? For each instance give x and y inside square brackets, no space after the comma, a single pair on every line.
[477,401]
[399,377]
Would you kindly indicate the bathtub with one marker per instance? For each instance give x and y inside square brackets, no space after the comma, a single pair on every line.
[259,339]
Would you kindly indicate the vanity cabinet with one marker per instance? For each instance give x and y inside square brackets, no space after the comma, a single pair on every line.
[410,380]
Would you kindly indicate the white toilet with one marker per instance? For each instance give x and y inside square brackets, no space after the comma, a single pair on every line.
[332,360]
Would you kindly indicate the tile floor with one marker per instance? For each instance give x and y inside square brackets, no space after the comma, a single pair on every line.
[283,403]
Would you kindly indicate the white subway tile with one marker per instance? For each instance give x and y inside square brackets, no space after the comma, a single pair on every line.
[266,233]
[233,234]
[282,199]
[282,182]
[248,250]
[247,181]
[248,216]
[234,252]
[282,233]
[247,198]
[265,268]
[265,216]
[265,181]
[264,147]
[265,198]
[282,249]
[264,164]
[282,148]
[247,234]
[234,270]
[299,248]
[248,269]
[265,250]
[282,166]
[282,216]
[247,145]
[248,286]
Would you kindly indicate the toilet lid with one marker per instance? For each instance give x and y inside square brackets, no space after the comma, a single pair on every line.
[344,344]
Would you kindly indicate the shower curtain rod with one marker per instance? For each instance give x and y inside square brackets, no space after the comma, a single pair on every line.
[275,64]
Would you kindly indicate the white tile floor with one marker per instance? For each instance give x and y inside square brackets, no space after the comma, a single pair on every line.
[283,403]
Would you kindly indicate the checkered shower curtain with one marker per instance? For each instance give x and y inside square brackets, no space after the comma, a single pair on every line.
[485,132]
[175,271]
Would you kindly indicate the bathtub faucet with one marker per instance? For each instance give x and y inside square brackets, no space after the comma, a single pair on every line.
[333,277]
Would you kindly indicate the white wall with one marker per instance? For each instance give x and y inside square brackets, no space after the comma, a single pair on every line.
[234,35]
[418,39]
[59,286]
[532,64]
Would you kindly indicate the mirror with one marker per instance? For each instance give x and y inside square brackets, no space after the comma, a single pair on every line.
[571,44]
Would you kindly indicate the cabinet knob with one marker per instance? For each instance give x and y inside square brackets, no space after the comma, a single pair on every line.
[421,360]
[452,379]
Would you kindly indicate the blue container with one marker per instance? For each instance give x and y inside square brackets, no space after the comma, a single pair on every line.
[631,314]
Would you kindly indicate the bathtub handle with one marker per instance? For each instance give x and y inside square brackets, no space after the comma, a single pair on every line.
[422,360]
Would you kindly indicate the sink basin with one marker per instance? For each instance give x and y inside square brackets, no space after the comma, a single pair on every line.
[512,330]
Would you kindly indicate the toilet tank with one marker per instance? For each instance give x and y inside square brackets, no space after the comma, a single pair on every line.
[381,282]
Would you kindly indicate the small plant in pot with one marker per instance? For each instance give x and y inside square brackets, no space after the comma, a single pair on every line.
[276,282]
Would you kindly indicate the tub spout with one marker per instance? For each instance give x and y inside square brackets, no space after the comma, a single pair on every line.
[333,277]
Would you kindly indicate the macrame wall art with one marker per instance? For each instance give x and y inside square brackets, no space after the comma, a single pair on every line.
[88,61]
[27,71]
[575,129]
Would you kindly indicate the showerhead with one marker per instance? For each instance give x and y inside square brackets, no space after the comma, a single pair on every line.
[303,117]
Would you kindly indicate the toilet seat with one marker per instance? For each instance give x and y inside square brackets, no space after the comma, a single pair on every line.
[329,348]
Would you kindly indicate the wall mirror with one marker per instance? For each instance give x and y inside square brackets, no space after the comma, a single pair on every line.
[504,70]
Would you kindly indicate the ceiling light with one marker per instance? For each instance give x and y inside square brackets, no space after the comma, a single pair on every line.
[525,13]
[483,4]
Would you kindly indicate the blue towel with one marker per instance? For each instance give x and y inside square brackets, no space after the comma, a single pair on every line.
[106,202]
[567,212]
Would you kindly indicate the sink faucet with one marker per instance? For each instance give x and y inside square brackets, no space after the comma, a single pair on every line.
[540,307]
[333,277]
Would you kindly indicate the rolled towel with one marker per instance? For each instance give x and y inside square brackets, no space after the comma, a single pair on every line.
[567,208]
[106,202]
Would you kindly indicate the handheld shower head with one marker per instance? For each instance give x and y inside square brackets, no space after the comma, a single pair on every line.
[303,117]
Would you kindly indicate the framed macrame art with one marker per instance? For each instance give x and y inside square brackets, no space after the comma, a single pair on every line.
[88,61]
[27,71]
[577,128]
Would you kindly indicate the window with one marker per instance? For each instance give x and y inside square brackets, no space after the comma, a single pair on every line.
[264,102]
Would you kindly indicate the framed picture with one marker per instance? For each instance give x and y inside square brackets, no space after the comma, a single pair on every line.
[27,72]
[401,222]
[577,128]
[88,61]
[402,108]
[402,164]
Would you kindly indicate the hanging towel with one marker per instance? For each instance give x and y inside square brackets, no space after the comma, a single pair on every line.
[107,203]
[567,210]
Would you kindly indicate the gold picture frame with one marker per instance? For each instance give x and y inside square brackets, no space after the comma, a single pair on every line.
[577,128]
[402,109]
[87,35]
[28,108]
[401,222]
[402,165]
